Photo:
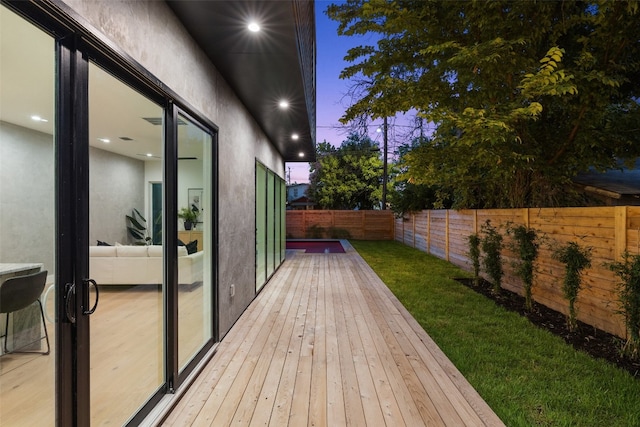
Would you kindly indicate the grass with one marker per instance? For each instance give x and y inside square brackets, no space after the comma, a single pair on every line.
[527,375]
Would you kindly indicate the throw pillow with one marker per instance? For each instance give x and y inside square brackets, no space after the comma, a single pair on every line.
[192,247]
[101,243]
[180,242]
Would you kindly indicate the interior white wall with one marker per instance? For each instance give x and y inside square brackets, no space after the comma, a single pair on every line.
[176,60]
[27,195]
[116,187]
[27,221]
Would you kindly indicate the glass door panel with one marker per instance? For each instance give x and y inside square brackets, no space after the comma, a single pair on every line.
[270,223]
[27,221]
[283,219]
[278,212]
[195,225]
[261,223]
[127,346]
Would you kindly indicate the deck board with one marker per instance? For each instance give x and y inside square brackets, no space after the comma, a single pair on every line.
[327,344]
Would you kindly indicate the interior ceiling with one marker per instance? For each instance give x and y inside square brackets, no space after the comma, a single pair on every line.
[130,121]
[262,68]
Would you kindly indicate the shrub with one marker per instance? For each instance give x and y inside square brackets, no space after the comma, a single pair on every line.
[526,244]
[628,270]
[315,232]
[575,260]
[338,233]
[491,244]
[474,255]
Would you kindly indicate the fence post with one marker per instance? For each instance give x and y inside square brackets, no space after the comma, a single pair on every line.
[446,236]
[428,232]
[304,224]
[620,231]
[475,221]
[413,217]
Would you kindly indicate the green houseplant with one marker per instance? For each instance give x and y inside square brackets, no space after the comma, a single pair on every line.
[189,216]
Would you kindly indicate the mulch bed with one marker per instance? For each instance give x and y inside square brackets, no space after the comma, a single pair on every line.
[595,342]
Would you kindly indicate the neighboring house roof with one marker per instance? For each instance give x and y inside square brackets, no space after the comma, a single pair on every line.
[618,182]
[302,201]
[263,68]
[297,185]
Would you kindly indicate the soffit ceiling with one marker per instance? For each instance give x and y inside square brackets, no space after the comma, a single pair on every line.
[262,68]
[261,72]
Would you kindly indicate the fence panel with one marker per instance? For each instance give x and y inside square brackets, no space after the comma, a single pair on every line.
[358,225]
[607,231]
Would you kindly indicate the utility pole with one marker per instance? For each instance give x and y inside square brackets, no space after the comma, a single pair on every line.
[384,167]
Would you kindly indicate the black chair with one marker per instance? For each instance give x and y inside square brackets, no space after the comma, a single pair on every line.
[20,292]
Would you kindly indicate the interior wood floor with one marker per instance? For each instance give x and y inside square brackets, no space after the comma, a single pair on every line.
[126,358]
[327,344]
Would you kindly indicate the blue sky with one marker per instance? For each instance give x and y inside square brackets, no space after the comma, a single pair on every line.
[331,102]
[330,89]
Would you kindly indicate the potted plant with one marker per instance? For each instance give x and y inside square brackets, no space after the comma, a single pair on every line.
[189,216]
[137,228]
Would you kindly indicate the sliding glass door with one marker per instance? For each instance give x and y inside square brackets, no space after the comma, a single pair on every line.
[261,225]
[127,329]
[270,223]
[27,222]
[94,165]
[195,226]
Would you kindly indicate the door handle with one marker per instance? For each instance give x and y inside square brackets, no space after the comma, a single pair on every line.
[95,304]
[70,299]
[69,302]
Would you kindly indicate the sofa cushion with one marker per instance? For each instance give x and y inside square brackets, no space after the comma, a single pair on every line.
[132,251]
[155,251]
[182,251]
[192,247]
[102,251]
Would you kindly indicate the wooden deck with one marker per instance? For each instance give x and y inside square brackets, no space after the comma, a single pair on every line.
[327,344]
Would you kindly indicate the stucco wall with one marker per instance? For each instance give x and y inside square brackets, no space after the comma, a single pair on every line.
[26,205]
[117,186]
[149,33]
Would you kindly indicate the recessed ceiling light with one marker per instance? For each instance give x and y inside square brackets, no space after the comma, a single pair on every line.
[301,154]
[38,119]
[149,155]
[105,140]
[283,104]
[295,137]
[254,27]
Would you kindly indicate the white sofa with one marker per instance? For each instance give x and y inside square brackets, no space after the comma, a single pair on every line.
[140,265]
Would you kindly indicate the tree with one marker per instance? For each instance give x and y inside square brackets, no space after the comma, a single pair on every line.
[348,177]
[524,94]
[407,196]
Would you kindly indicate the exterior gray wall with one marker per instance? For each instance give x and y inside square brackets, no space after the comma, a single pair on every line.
[149,33]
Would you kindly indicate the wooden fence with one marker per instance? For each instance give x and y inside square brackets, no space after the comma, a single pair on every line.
[358,225]
[608,231]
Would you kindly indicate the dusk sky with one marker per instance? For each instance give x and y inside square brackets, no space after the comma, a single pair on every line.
[331,102]
[330,89]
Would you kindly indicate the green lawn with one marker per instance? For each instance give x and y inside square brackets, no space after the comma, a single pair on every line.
[527,375]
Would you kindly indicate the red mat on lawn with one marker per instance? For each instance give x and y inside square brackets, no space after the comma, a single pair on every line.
[317,247]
